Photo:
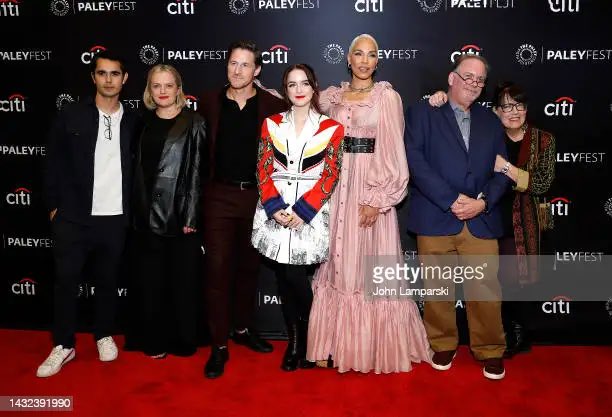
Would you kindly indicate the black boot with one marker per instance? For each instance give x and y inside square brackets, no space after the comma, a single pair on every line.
[517,340]
[291,357]
[216,362]
[303,345]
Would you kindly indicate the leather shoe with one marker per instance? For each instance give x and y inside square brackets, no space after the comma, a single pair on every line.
[252,341]
[216,362]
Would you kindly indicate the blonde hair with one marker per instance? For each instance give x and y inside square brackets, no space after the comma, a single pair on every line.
[148,98]
[363,36]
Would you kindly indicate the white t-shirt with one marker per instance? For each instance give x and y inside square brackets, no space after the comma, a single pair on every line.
[108,185]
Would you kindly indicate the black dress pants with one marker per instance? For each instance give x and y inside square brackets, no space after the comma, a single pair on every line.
[231,262]
[100,245]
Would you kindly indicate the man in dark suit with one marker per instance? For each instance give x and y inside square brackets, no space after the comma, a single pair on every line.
[234,115]
[451,153]
[87,182]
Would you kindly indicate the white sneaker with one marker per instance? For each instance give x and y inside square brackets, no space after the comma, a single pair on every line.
[107,349]
[54,362]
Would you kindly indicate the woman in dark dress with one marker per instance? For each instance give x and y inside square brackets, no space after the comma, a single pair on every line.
[166,204]
[531,167]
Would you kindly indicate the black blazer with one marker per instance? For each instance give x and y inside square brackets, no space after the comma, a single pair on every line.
[69,166]
[174,201]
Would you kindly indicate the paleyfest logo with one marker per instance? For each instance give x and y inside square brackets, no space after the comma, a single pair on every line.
[149,55]
[430,6]
[238,6]
[333,53]
[526,54]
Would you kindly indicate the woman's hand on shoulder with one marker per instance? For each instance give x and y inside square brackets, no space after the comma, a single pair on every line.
[438,99]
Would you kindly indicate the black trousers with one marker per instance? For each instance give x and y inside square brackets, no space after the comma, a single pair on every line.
[100,246]
[511,288]
[295,291]
[164,294]
[231,262]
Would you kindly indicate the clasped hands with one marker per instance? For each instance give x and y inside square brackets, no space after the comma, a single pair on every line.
[290,220]
[466,208]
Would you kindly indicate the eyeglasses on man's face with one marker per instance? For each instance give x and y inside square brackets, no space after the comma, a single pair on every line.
[470,80]
[507,108]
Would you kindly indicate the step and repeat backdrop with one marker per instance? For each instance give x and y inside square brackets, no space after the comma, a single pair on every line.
[560,50]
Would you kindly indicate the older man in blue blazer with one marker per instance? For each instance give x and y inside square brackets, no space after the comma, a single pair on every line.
[453,210]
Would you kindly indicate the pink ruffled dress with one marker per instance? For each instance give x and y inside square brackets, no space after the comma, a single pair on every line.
[362,334]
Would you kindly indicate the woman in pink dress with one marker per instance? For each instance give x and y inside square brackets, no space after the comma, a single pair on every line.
[356,331]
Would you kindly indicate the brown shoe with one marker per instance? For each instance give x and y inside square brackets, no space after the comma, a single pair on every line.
[442,361]
[494,368]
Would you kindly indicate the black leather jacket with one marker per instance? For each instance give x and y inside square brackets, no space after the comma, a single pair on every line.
[175,197]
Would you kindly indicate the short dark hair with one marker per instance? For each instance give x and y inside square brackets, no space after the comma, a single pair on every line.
[312,79]
[510,89]
[111,56]
[465,57]
[249,46]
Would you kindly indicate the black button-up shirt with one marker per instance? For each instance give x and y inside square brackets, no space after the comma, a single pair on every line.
[237,141]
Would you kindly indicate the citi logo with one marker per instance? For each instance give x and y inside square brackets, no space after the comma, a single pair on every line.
[563,106]
[181,7]
[20,197]
[191,102]
[9,8]
[560,206]
[87,57]
[26,286]
[559,305]
[276,55]
[14,104]
[367,6]
[562,6]
[466,50]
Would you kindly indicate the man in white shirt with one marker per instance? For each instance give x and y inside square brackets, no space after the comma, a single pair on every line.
[87,183]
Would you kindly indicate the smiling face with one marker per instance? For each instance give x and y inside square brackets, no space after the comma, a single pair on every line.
[462,82]
[241,68]
[164,89]
[363,58]
[299,88]
[511,112]
[108,78]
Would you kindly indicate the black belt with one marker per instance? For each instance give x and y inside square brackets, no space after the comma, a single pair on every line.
[243,185]
[358,145]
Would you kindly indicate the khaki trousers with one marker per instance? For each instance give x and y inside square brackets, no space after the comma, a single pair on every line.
[486,332]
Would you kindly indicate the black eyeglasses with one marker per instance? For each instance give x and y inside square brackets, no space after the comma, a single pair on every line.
[471,81]
[507,108]
[108,133]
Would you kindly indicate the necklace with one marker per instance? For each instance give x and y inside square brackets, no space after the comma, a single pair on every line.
[361,90]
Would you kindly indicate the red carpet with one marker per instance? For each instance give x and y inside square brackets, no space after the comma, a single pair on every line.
[549,382]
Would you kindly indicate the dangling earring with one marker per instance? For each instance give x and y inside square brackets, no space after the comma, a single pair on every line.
[348,66]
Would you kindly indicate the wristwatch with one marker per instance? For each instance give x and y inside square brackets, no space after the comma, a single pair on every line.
[482,196]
